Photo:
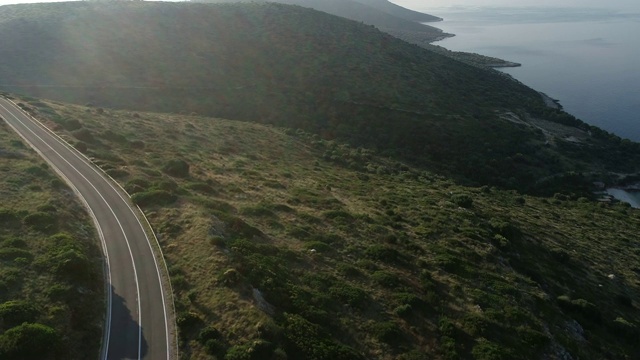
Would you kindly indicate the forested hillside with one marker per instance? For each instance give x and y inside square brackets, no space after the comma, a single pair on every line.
[302,68]
[376,13]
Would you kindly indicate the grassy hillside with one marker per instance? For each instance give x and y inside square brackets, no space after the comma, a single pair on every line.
[51,288]
[296,67]
[370,14]
[399,11]
[284,245]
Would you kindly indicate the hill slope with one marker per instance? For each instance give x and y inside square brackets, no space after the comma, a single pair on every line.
[378,15]
[51,286]
[399,11]
[283,245]
[301,68]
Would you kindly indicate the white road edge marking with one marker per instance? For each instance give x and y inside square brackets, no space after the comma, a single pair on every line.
[114,215]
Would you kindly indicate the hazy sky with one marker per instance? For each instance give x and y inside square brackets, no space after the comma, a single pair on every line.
[428,4]
[611,4]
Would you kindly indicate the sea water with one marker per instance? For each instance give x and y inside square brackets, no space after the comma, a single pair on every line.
[587,58]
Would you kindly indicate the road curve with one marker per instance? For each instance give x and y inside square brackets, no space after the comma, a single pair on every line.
[137,322]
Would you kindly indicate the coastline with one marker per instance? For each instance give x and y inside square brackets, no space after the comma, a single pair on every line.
[628,196]
[550,102]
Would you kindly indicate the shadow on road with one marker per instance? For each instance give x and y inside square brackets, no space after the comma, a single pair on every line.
[125,331]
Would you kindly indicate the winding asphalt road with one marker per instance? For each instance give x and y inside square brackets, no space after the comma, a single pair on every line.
[137,323]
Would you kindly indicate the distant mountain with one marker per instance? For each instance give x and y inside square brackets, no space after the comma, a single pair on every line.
[301,68]
[399,11]
[386,16]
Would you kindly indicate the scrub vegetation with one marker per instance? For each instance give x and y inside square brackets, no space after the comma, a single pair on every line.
[283,245]
[371,199]
[51,288]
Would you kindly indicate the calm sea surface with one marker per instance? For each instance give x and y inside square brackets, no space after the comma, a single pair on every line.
[589,59]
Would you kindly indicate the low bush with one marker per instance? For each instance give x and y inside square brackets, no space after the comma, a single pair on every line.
[487,350]
[41,221]
[625,329]
[384,253]
[81,146]
[462,200]
[14,253]
[29,341]
[71,124]
[254,350]
[386,279]
[9,218]
[117,173]
[154,198]
[16,312]
[84,135]
[350,295]
[178,168]
[388,332]
[318,246]
[580,307]
[202,188]
[137,144]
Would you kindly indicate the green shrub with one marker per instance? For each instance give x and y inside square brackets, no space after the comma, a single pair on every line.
[39,171]
[448,348]
[318,246]
[177,168]
[384,253]
[348,270]
[202,187]
[446,327]
[41,221]
[255,350]
[462,200]
[72,265]
[258,210]
[13,242]
[580,307]
[154,198]
[487,350]
[215,347]
[9,218]
[29,341]
[137,144]
[166,185]
[81,146]
[16,312]
[625,329]
[336,214]
[348,294]
[309,341]
[72,124]
[506,229]
[211,339]
[111,136]
[403,311]
[188,321]
[117,173]
[84,135]
[388,332]
[386,279]
[15,253]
